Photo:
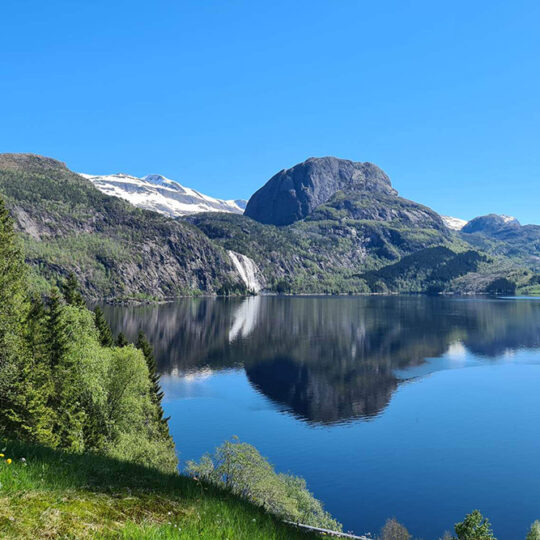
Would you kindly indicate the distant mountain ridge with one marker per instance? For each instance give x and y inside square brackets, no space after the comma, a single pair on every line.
[316,223]
[116,250]
[504,235]
[334,226]
[491,224]
[160,194]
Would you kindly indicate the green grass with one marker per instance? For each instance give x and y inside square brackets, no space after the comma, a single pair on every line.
[59,495]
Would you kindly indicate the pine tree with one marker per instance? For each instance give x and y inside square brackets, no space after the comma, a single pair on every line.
[13,306]
[34,326]
[71,292]
[105,334]
[474,527]
[121,340]
[55,333]
[68,418]
[156,393]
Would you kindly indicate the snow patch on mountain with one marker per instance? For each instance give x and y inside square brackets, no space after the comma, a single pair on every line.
[508,219]
[454,223]
[161,194]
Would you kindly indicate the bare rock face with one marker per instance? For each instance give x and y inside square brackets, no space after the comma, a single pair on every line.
[292,194]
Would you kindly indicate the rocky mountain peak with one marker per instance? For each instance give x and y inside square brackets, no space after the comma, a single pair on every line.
[292,194]
[157,179]
[491,223]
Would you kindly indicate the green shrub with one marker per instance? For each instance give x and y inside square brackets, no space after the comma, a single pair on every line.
[240,468]
[474,527]
[534,531]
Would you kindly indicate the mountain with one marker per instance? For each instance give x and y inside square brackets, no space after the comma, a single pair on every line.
[492,224]
[504,235]
[116,250]
[292,194]
[160,194]
[331,225]
[454,223]
[349,232]
[322,224]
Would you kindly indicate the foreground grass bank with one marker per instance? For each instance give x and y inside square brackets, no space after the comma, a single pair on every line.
[48,493]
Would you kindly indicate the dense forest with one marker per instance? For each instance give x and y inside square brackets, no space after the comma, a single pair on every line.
[64,382]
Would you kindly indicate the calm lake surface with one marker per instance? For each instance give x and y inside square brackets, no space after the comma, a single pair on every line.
[409,407]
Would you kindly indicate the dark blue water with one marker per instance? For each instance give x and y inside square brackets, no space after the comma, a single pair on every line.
[417,408]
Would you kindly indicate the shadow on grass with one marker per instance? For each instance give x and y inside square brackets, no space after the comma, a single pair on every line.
[56,471]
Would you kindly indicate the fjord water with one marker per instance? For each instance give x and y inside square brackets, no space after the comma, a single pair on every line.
[417,408]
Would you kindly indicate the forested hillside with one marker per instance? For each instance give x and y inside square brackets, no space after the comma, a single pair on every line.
[343,222]
[502,235]
[114,249]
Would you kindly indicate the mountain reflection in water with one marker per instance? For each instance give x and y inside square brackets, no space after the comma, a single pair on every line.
[329,359]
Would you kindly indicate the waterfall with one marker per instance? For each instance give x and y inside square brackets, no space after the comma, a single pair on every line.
[247,270]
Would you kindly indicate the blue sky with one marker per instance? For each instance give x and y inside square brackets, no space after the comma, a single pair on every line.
[220,95]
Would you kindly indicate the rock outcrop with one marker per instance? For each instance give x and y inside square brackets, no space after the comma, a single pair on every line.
[292,194]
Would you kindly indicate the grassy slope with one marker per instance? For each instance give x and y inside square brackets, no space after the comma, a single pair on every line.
[86,496]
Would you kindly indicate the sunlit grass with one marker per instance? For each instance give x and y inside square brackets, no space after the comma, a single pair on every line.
[52,494]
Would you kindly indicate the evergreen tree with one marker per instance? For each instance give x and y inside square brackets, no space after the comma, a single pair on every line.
[121,340]
[34,325]
[71,292]
[12,312]
[105,334]
[55,335]
[156,393]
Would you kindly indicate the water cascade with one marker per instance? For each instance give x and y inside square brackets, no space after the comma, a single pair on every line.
[247,270]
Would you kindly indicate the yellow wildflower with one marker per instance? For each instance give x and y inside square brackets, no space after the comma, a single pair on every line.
[1,455]
[8,461]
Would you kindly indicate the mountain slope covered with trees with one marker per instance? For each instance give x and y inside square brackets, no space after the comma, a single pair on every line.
[334,226]
[114,249]
[323,226]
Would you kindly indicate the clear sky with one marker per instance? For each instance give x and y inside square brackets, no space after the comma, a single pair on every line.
[222,94]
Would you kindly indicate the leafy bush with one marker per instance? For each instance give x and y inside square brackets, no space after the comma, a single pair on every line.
[534,531]
[474,527]
[393,530]
[240,468]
